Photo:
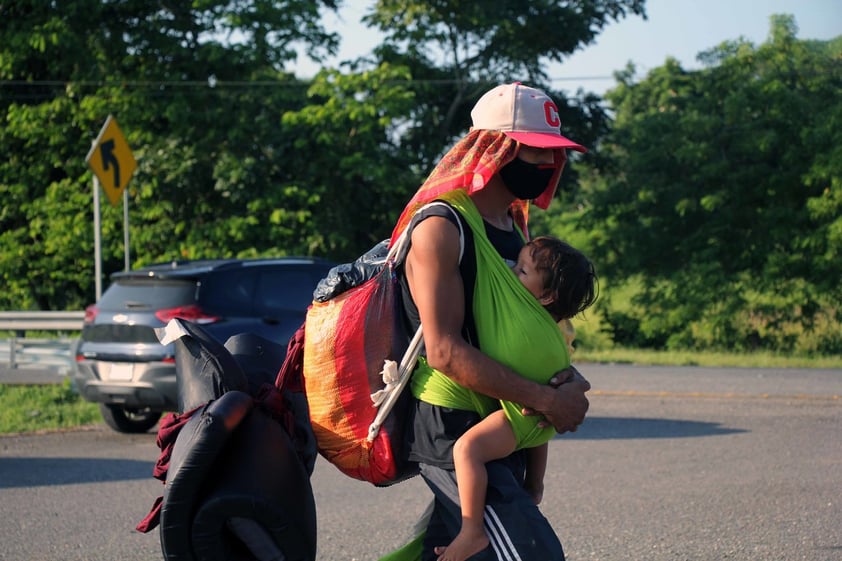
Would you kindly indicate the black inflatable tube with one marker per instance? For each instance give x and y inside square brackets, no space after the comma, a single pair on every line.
[198,446]
[261,506]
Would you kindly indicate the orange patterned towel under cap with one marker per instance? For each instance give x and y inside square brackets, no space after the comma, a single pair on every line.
[468,166]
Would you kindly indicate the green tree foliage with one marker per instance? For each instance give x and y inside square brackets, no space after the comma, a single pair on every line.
[346,159]
[711,200]
[721,196]
[457,49]
[173,74]
[236,156]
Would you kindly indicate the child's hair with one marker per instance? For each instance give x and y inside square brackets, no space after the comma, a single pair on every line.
[569,276]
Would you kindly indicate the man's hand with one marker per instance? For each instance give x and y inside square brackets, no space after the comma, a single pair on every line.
[568,404]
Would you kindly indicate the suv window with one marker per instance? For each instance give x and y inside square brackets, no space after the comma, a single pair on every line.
[263,292]
[284,290]
[228,293]
[131,294]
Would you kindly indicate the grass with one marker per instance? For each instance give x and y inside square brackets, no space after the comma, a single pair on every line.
[47,407]
[711,359]
[56,407]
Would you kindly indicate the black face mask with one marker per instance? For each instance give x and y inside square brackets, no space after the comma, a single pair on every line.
[524,180]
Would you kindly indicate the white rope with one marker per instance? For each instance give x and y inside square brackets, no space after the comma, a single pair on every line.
[388,399]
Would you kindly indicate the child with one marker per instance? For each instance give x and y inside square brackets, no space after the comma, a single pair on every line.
[564,282]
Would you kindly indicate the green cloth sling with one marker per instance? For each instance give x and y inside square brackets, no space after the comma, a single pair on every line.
[513,328]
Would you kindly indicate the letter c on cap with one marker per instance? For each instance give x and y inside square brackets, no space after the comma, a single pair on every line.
[551,114]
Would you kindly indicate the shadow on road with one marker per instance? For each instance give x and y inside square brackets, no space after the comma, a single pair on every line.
[607,428]
[41,472]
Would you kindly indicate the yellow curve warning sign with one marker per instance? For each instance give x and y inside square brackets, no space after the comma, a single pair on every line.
[111,160]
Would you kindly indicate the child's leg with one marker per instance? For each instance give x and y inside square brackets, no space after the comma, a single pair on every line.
[536,467]
[490,439]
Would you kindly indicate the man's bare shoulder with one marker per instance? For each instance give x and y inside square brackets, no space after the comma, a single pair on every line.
[435,238]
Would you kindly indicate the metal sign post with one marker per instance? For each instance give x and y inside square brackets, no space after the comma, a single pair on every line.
[97,242]
[126,229]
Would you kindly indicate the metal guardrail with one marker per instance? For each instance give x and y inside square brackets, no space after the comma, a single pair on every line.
[21,354]
[41,321]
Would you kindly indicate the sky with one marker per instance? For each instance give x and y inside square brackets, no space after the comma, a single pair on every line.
[677,28]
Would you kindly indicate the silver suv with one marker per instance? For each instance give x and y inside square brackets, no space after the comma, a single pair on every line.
[120,363]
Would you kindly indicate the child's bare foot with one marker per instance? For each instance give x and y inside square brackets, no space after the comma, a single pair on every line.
[465,544]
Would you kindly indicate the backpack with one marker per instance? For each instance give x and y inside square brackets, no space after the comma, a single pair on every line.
[357,361]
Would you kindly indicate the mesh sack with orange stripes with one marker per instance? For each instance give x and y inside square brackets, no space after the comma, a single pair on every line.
[347,339]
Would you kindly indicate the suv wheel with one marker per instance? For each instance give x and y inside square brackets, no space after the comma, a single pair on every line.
[124,419]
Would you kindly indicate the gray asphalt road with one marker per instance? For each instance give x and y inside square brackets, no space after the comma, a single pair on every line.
[691,464]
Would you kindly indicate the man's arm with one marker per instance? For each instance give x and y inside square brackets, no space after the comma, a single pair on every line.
[432,269]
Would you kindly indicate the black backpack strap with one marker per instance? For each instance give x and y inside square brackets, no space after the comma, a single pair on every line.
[467,266]
[468,270]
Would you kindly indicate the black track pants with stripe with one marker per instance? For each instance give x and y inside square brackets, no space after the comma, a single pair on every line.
[516,528]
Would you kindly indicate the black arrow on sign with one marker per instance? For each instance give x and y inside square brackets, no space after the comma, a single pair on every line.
[107,152]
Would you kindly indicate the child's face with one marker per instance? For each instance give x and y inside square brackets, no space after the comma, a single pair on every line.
[528,273]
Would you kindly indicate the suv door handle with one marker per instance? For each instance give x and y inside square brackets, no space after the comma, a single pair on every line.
[271,321]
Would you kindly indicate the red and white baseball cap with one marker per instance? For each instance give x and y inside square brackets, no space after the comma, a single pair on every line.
[525,114]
